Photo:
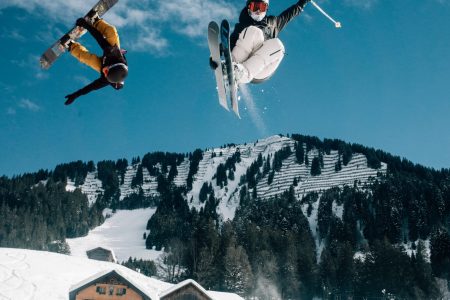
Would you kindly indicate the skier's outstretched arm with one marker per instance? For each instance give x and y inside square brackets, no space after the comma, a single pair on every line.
[95,85]
[94,32]
[290,13]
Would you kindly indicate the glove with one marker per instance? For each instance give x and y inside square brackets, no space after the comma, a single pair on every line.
[81,22]
[212,64]
[70,98]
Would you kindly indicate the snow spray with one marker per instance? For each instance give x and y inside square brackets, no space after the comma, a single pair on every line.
[255,114]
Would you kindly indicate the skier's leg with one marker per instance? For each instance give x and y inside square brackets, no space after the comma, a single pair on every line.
[277,50]
[250,40]
[264,61]
[84,56]
[108,31]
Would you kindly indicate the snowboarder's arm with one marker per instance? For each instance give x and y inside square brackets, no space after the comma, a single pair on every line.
[95,85]
[94,32]
[290,13]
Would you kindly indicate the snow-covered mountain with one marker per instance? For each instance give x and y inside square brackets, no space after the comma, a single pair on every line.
[356,172]
[27,274]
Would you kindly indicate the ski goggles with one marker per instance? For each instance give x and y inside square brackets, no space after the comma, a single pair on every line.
[258,6]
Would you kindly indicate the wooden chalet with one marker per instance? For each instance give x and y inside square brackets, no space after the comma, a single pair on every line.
[111,285]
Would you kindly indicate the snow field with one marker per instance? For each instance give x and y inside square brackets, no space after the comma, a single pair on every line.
[122,232]
[28,274]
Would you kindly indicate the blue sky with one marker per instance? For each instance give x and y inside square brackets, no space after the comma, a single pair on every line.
[382,81]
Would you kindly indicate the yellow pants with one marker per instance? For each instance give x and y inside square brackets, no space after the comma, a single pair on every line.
[84,56]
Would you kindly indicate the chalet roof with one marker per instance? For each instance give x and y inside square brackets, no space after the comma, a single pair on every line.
[106,249]
[183,284]
[87,282]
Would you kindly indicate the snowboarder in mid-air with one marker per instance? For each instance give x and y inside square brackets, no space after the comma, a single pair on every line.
[255,48]
[112,65]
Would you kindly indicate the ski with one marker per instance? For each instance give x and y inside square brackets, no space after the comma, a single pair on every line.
[214,48]
[226,50]
[57,49]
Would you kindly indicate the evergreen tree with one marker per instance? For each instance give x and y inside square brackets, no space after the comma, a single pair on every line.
[138,179]
[238,274]
[315,167]
[338,165]
[203,194]
[231,174]
[440,253]
[299,153]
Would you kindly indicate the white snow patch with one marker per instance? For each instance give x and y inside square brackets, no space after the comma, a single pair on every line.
[313,225]
[122,232]
[28,274]
[410,251]
[92,187]
[338,210]
[360,256]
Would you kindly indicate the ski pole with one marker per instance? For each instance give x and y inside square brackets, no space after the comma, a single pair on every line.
[337,24]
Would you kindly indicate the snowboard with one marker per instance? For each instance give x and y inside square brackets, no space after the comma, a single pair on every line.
[57,49]
[219,45]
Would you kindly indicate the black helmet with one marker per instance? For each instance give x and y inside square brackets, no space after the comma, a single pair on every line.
[116,73]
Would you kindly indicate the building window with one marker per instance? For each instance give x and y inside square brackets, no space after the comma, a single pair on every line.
[121,291]
[101,290]
[111,290]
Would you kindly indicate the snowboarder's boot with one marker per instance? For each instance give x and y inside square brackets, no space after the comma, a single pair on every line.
[66,41]
[92,17]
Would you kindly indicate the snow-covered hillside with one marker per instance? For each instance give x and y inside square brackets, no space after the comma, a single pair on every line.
[27,274]
[122,232]
[356,172]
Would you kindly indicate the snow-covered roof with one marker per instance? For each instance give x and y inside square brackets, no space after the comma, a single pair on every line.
[101,274]
[183,284]
[104,248]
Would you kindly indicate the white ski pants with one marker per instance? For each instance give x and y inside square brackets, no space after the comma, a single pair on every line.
[261,58]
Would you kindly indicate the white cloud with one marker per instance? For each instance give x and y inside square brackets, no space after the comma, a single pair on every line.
[13,34]
[82,79]
[29,105]
[41,75]
[193,16]
[31,63]
[149,40]
[145,21]
[364,4]
[7,88]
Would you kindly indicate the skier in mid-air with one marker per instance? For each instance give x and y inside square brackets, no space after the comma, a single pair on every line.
[112,65]
[255,48]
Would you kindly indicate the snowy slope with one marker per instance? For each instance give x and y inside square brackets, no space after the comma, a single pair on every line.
[27,274]
[92,187]
[355,172]
[122,232]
